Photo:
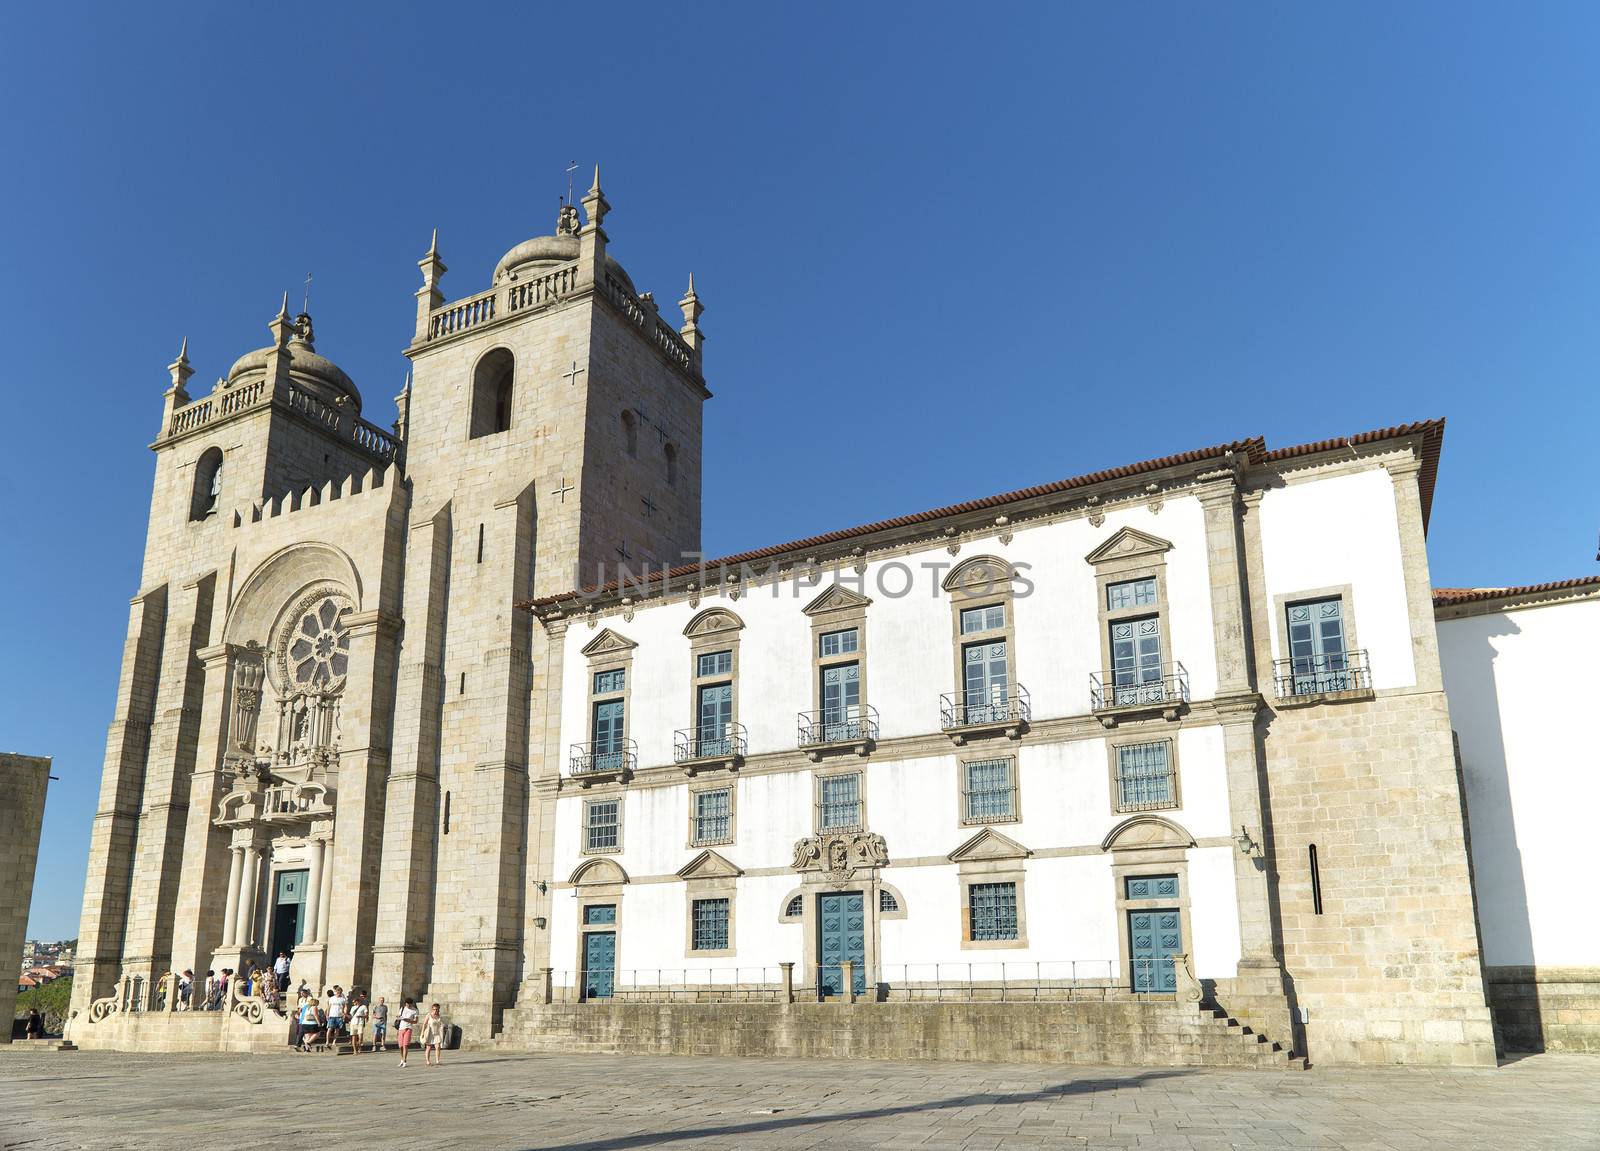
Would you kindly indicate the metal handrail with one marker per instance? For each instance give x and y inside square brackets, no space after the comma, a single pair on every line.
[689,744]
[857,725]
[1010,704]
[613,756]
[1112,689]
[1318,674]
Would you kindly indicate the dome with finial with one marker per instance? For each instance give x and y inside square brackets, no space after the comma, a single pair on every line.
[542,253]
[316,374]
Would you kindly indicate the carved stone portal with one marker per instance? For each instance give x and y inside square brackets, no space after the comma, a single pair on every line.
[839,855]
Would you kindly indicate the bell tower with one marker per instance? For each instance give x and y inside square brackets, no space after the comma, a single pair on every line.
[553,435]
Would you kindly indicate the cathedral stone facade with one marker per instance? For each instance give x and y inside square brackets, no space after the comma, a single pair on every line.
[444,711]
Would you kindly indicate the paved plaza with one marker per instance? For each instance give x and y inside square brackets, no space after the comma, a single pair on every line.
[612,1103]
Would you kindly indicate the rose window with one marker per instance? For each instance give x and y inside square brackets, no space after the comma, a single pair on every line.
[319,648]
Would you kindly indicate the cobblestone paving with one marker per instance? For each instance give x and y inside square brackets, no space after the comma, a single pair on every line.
[612,1103]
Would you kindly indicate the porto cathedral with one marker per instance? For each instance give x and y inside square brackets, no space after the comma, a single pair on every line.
[1152,765]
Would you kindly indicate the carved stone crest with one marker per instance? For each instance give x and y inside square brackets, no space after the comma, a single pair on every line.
[839,855]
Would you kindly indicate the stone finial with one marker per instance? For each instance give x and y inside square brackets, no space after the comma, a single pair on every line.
[281,326]
[402,407]
[432,264]
[595,206]
[429,295]
[180,369]
[693,309]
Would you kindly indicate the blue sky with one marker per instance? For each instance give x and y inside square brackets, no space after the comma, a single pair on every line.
[1002,244]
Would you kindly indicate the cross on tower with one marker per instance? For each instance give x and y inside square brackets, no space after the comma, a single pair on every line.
[649,508]
[563,490]
[622,551]
[306,307]
[572,376]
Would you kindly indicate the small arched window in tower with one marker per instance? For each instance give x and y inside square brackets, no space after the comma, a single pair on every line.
[630,432]
[207,495]
[492,394]
[672,463]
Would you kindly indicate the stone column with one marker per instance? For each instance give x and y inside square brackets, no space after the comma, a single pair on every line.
[314,893]
[112,838]
[1258,990]
[348,915]
[325,896]
[788,981]
[206,904]
[247,896]
[174,739]
[1405,473]
[230,923]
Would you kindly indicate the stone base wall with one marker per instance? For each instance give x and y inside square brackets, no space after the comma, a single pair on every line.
[1131,1033]
[185,1031]
[1545,1008]
[23,780]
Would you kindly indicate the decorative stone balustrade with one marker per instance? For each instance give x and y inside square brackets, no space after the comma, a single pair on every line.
[647,321]
[229,402]
[472,312]
[540,290]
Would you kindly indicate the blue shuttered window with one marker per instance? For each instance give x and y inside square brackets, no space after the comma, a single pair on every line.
[1145,778]
[1317,656]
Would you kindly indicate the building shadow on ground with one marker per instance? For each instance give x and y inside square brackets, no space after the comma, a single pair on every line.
[785,1122]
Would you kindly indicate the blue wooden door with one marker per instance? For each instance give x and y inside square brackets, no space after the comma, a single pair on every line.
[841,935]
[987,681]
[1316,647]
[1155,935]
[716,713]
[841,702]
[599,953]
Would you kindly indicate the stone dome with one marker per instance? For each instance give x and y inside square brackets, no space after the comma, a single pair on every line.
[316,374]
[542,253]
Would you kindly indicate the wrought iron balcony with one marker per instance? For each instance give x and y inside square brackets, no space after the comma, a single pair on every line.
[1164,688]
[1310,675]
[857,727]
[614,758]
[694,744]
[999,707]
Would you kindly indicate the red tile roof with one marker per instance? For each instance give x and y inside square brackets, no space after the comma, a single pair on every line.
[1254,450]
[1452,596]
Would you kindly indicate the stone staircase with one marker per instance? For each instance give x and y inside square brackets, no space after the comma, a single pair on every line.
[1256,1049]
[38,1045]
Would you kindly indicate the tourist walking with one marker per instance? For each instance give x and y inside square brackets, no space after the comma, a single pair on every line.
[404,1021]
[380,1024]
[337,1005]
[358,1023]
[35,1025]
[280,968]
[310,1022]
[433,1037]
[185,989]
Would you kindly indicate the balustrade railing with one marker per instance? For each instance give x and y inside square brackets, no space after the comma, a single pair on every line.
[313,406]
[461,315]
[848,725]
[664,984]
[1157,686]
[608,757]
[374,439]
[538,290]
[669,341]
[1317,674]
[726,742]
[998,705]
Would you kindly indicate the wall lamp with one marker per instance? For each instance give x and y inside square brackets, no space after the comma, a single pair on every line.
[542,887]
[1247,846]
[539,922]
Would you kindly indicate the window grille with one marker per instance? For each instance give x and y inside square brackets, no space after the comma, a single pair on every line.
[840,801]
[1144,776]
[710,925]
[992,908]
[887,901]
[713,816]
[601,825]
[988,792]
[796,908]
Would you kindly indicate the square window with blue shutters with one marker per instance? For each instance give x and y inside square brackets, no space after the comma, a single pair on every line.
[714,663]
[1145,779]
[1130,593]
[839,642]
[992,911]
[606,682]
[990,618]
[988,792]
[839,801]
[600,818]
[713,816]
[710,925]
[1318,657]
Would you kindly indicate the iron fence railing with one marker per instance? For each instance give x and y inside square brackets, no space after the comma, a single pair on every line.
[1160,686]
[617,755]
[726,742]
[982,708]
[1315,674]
[855,725]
